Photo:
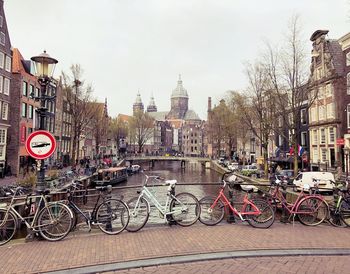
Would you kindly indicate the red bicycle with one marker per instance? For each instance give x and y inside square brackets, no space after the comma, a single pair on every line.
[258,213]
[311,209]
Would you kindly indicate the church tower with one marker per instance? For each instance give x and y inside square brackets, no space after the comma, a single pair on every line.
[138,105]
[179,102]
[152,105]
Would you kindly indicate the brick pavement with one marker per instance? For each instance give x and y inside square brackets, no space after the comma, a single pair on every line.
[92,249]
[268,265]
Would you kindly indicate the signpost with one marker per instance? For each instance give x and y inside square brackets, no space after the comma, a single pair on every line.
[40,144]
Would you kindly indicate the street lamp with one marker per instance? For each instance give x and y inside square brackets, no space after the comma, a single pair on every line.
[44,68]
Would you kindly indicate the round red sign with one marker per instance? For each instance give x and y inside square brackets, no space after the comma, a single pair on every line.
[40,144]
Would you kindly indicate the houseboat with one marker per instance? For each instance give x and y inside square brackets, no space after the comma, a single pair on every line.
[110,176]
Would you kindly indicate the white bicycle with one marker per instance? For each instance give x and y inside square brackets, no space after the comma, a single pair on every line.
[182,208]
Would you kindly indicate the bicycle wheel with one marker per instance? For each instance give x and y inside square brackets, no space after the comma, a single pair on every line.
[335,218]
[265,219]
[211,215]
[139,213]
[112,216]
[344,210]
[186,207]
[8,226]
[312,211]
[55,221]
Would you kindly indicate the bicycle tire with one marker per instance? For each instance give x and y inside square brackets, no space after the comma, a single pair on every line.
[344,210]
[112,216]
[211,216]
[312,211]
[138,216]
[59,228]
[263,220]
[190,214]
[7,229]
[335,219]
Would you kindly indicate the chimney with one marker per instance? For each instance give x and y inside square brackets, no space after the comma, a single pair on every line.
[209,104]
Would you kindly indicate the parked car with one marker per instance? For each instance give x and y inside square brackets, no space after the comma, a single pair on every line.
[323,178]
[250,170]
[286,174]
[233,167]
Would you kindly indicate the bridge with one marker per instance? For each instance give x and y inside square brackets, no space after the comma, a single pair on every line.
[152,159]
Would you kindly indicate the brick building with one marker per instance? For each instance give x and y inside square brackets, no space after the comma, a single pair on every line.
[22,113]
[5,86]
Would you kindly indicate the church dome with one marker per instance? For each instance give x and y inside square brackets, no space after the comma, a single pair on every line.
[180,91]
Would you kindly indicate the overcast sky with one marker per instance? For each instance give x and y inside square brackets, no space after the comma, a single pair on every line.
[130,45]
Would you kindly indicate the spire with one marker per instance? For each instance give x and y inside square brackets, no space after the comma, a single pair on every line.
[138,105]
[152,105]
[179,91]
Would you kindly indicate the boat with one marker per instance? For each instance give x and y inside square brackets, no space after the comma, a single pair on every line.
[110,176]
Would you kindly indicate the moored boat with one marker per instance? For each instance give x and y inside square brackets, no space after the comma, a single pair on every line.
[110,176]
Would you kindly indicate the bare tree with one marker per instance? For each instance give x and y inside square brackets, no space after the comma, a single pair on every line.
[118,129]
[78,98]
[287,76]
[141,128]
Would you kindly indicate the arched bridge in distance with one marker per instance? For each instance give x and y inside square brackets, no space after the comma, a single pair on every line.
[153,159]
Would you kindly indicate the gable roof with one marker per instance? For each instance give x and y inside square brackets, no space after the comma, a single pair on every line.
[337,56]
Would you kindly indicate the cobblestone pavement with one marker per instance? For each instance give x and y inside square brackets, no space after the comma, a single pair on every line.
[270,265]
[84,249]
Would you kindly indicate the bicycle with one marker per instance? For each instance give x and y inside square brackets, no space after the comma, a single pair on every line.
[311,209]
[53,220]
[339,213]
[182,208]
[111,216]
[258,213]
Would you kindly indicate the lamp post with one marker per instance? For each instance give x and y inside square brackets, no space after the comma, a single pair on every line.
[44,68]
[346,152]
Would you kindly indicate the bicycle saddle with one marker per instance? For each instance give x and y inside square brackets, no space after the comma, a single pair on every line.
[104,188]
[248,188]
[170,182]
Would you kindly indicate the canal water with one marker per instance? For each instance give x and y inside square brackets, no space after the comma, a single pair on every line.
[193,173]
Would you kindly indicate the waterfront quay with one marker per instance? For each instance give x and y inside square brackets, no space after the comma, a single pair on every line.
[228,248]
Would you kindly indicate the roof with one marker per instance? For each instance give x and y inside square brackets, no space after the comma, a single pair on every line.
[138,99]
[175,123]
[191,115]
[337,56]
[124,117]
[158,115]
[179,91]
[111,169]
[317,34]
[19,65]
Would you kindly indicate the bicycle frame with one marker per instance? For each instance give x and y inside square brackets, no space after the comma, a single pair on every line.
[292,207]
[31,225]
[162,209]
[222,197]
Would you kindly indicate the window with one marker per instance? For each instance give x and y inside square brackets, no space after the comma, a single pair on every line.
[332,135]
[30,130]
[24,110]
[8,64]
[331,110]
[6,86]
[4,110]
[321,112]
[1,83]
[315,155]
[348,59]
[303,116]
[2,136]
[36,92]
[348,115]
[315,136]
[324,155]
[31,90]
[329,90]
[1,21]
[280,140]
[2,38]
[348,83]
[303,137]
[322,136]
[2,59]
[30,111]
[313,115]
[25,89]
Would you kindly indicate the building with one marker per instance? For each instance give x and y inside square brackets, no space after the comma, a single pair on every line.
[327,115]
[22,112]
[5,86]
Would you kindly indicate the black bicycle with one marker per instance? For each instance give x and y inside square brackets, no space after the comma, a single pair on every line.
[111,215]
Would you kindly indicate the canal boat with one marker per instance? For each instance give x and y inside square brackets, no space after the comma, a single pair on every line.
[110,176]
